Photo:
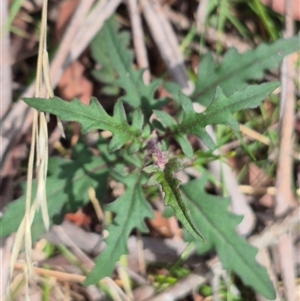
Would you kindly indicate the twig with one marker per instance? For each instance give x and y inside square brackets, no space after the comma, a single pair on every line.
[216,267]
[167,44]
[247,189]
[287,266]
[82,257]
[65,46]
[61,276]
[5,254]
[138,39]
[88,242]
[284,198]
[177,18]
[201,15]
[140,253]
[263,257]
[271,234]
[5,67]
[91,26]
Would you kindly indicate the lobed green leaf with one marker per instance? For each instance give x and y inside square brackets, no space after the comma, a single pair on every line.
[93,117]
[210,214]
[237,70]
[170,186]
[220,111]
[67,190]
[131,209]
[114,45]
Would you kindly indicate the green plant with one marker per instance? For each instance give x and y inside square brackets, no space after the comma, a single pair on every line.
[136,150]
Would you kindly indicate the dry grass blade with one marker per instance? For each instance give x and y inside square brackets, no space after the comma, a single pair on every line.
[42,168]
[181,289]
[25,224]
[96,204]
[39,144]
[140,253]
[255,135]
[116,293]
[125,279]
[41,131]
[15,287]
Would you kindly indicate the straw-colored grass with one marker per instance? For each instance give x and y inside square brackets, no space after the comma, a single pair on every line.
[38,161]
